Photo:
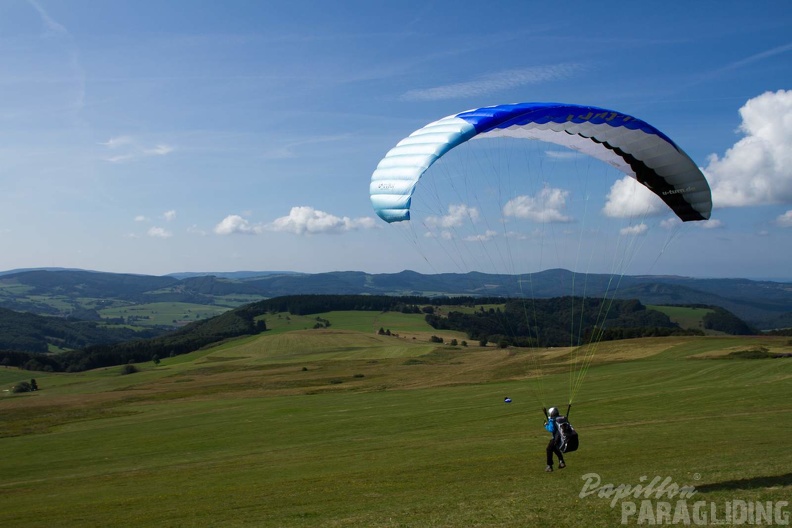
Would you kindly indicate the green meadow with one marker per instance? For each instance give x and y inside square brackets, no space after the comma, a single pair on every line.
[343,427]
[684,316]
[162,313]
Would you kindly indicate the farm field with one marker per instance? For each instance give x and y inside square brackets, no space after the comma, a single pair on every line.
[162,313]
[684,316]
[341,426]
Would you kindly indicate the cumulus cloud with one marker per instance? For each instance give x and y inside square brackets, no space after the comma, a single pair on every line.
[489,234]
[758,168]
[785,220]
[141,218]
[444,235]
[169,215]
[547,206]
[458,215]
[159,232]
[638,229]
[307,220]
[710,224]
[302,220]
[235,224]
[628,198]
[495,82]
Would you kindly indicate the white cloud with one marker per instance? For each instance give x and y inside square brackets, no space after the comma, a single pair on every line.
[547,206]
[517,235]
[120,159]
[235,224]
[159,232]
[307,220]
[127,148]
[457,215]
[710,224]
[169,215]
[757,170]
[487,235]
[300,220]
[195,230]
[495,82]
[116,142]
[50,23]
[445,235]
[159,150]
[785,220]
[628,198]
[638,229]
[141,218]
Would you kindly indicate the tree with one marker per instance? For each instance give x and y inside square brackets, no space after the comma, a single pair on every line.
[22,386]
[129,368]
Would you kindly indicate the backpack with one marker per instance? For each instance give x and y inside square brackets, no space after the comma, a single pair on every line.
[567,439]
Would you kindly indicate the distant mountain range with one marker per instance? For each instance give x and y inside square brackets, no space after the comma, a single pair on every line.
[764,304]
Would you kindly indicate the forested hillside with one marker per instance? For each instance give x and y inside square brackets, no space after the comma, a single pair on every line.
[246,320]
[546,324]
[28,332]
[565,321]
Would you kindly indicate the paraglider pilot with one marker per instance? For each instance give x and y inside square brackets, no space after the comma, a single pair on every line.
[554,445]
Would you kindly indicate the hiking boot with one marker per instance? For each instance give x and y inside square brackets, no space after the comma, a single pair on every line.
[561,465]
[549,469]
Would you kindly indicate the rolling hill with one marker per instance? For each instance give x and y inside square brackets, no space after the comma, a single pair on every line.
[763,304]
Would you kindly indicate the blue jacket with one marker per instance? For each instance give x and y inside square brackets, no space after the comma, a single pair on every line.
[551,426]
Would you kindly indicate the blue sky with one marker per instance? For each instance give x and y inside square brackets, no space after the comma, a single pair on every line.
[162,136]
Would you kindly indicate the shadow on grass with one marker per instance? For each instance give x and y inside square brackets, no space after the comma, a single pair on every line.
[749,483]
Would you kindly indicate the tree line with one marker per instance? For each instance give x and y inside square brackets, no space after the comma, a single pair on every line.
[34,333]
[560,321]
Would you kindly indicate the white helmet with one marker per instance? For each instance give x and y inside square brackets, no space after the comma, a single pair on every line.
[553,412]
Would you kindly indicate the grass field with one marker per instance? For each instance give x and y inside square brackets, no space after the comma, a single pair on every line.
[341,427]
[162,313]
[684,316]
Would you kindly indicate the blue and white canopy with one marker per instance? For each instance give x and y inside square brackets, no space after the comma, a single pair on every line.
[633,146]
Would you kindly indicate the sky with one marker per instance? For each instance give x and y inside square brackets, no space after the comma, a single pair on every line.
[166,136]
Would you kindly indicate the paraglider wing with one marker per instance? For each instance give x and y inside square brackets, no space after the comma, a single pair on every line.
[633,146]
